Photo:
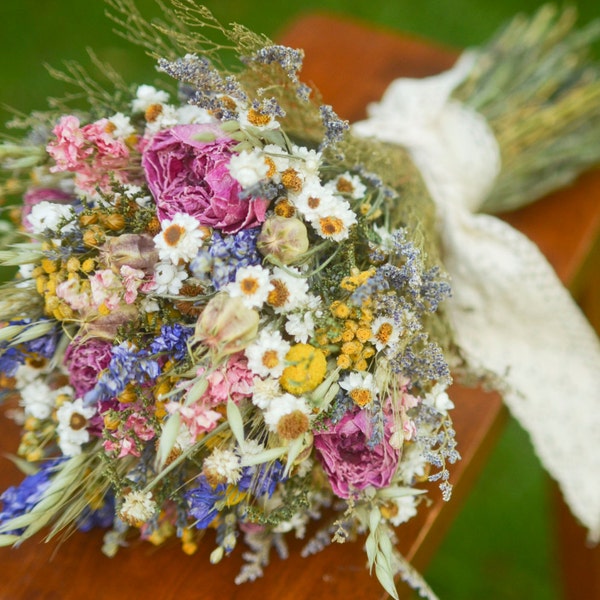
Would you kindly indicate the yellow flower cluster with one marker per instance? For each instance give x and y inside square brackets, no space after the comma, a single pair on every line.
[352,331]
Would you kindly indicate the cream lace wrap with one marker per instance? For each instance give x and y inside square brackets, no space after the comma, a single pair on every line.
[510,312]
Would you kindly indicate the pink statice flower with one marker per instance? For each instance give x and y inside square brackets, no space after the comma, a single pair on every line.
[125,441]
[90,152]
[190,176]
[197,418]
[85,360]
[350,464]
[233,380]
[132,279]
[106,289]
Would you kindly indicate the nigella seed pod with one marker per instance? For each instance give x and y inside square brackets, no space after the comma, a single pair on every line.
[284,239]
[226,324]
[135,250]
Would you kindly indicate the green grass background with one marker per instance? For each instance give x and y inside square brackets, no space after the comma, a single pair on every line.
[502,546]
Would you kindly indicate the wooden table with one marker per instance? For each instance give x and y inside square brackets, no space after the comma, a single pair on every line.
[351,65]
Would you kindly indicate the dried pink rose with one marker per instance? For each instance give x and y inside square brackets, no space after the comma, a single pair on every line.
[186,175]
[351,465]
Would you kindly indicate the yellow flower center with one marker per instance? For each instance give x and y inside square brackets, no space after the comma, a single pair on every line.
[153,112]
[331,225]
[77,421]
[293,425]
[291,180]
[313,202]
[279,295]
[270,359]
[249,285]
[258,119]
[172,234]
[344,186]
[384,333]
[361,396]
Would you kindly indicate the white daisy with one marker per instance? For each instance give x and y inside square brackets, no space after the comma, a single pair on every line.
[301,325]
[161,116]
[439,399]
[361,387]
[252,285]
[279,158]
[289,290]
[266,355]
[265,390]
[37,398]
[189,114]
[180,238]
[122,126]
[310,159]
[285,406]
[404,509]
[168,278]
[348,184]
[314,200]
[146,96]
[72,426]
[248,168]
[386,332]
[334,224]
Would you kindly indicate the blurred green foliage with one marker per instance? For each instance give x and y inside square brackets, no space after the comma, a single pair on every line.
[501,546]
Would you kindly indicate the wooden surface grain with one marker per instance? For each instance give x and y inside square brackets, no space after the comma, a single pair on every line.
[351,65]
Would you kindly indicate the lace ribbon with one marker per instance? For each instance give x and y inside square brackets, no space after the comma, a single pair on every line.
[510,312]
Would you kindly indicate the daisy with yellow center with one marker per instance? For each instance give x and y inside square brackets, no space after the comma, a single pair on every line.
[266,355]
[335,223]
[252,285]
[290,290]
[386,333]
[179,238]
[360,387]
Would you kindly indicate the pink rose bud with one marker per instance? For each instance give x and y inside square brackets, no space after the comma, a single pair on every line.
[285,239]
[226,324]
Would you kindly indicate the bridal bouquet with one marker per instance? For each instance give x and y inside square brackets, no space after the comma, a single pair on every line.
[229,310]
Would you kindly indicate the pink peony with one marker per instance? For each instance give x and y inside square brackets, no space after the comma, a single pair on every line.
[85,361]
[189,176]
[347,459]
[90,152]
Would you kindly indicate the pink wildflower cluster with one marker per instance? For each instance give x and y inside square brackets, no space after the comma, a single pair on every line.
[90,152]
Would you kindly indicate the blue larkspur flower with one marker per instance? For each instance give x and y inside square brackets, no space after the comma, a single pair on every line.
[172,340]
[226,255]
[102,517]
[127,365]
[19,500]
[261,479]
[201,502]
